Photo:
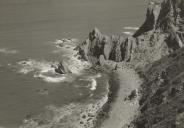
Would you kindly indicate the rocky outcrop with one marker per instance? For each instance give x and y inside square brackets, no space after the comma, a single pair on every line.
[166,18]
[171,15]
[98,46]
[171,21]
[152,15]
[162,32]
[62,68]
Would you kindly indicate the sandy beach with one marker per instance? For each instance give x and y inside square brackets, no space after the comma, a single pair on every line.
[123,109]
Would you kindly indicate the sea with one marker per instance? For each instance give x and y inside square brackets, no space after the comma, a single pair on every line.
[31,94]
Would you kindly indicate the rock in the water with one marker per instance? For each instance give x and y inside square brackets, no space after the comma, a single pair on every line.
[62,68]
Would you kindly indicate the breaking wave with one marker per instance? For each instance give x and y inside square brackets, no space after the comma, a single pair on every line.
[75,65]
[67,45]
[51,79]
[45,70]
[92,79]
[41,69]
[131,28]
[93,84]
[128,33]
[8,51]
[32,65]
[70,55]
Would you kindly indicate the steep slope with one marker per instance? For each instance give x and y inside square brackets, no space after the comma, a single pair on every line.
[162,103]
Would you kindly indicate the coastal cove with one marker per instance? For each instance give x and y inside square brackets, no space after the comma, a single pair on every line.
[90,64]
[29,36]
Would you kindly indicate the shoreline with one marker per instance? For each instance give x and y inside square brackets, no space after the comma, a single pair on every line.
[119,111]
[104,112]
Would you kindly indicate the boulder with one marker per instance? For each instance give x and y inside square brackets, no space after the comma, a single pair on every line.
[62,68]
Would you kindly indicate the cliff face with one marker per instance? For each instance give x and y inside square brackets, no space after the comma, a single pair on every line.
[162,103]
[162,32]
[173,22]
[152,15]
[167,18]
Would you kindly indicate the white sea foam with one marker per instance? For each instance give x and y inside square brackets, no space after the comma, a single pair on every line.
[93,85]
[131,28]
[46,70]
[51,79]
[70,55]
[128,33]
[64,40]
[92,79]
[75,65]
[31,65]
[41,69]
[65,44]
[96,76]
[8,51]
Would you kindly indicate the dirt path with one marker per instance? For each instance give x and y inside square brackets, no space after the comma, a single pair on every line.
[123,111]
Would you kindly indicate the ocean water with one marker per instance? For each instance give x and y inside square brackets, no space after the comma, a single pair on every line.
[29,32]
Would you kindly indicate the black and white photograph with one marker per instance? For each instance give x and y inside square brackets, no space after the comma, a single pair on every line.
[91,64]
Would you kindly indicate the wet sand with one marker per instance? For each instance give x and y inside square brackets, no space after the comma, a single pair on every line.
[122,109]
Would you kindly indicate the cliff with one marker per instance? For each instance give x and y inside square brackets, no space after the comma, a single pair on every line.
[166,18]
[162,92]
[162,32]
